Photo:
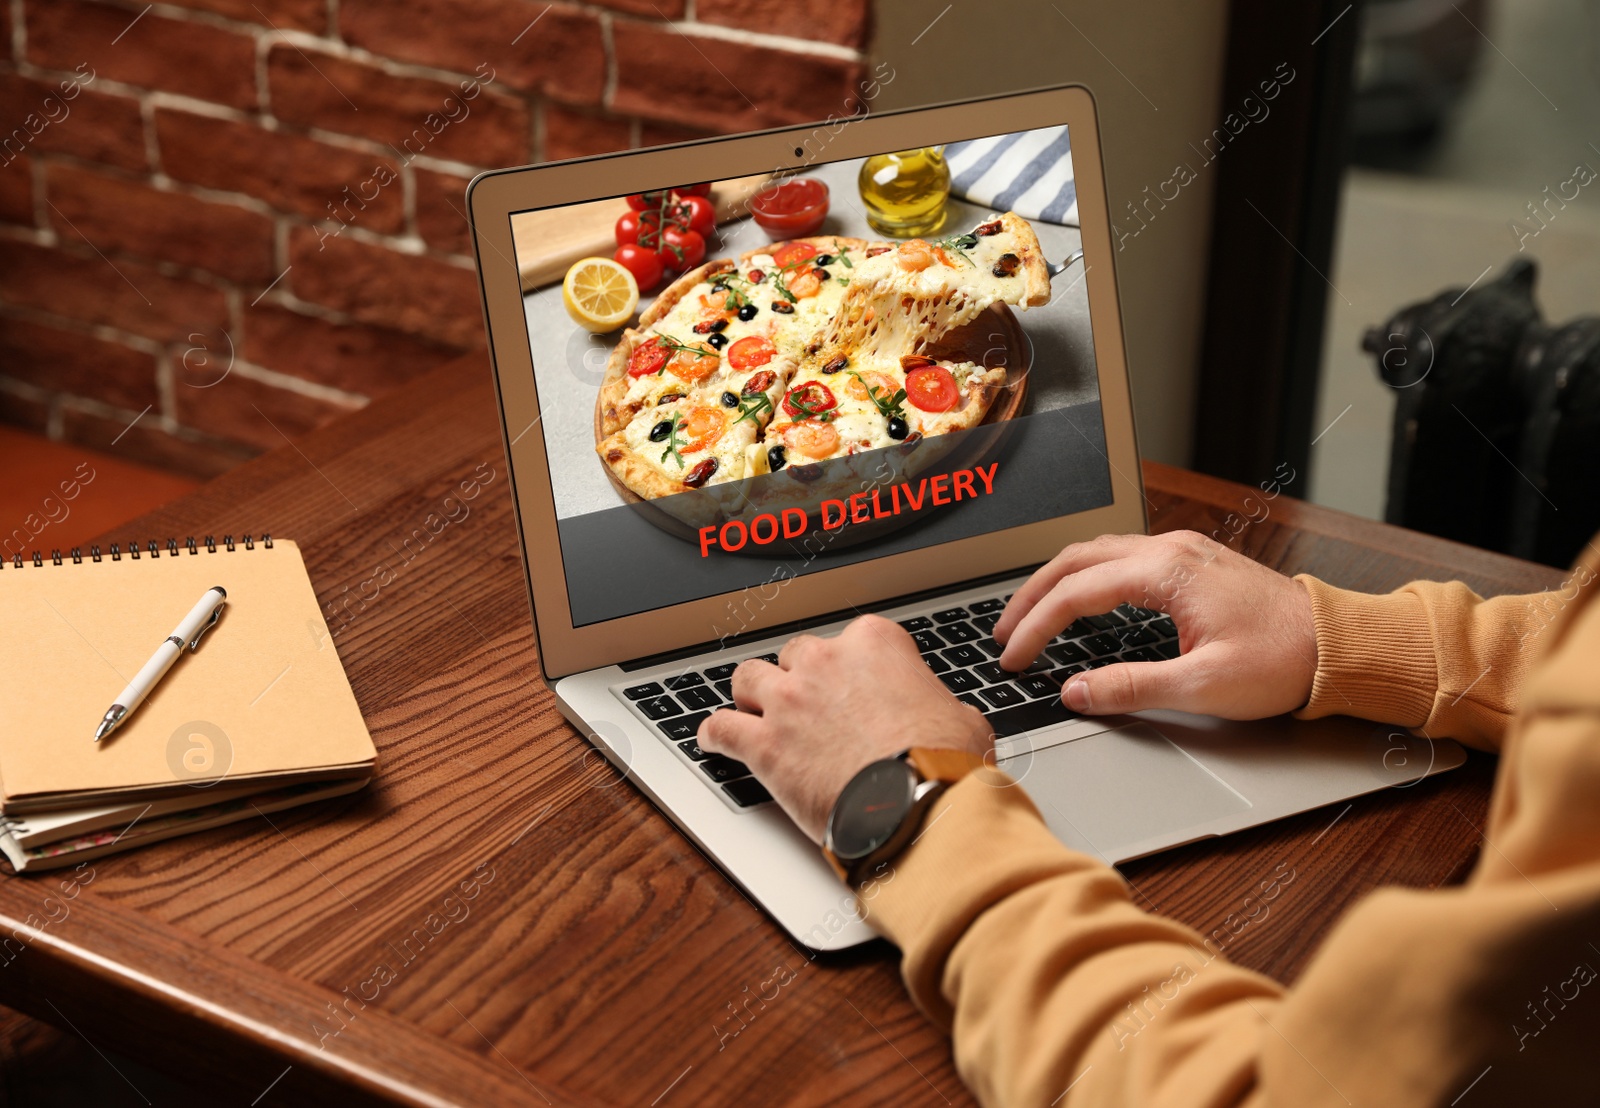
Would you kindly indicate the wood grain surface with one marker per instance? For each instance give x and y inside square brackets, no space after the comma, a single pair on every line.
[599,957]
[548,242]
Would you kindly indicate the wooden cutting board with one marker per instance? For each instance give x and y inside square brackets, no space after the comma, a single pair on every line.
[548,242]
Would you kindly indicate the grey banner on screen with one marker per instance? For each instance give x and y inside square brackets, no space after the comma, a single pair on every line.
[1050,464]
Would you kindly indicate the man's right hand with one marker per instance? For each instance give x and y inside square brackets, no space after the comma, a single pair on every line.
[1247,634]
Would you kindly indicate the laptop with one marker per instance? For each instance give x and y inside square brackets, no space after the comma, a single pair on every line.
[643,605]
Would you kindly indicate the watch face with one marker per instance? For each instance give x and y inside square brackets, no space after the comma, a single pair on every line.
[871,808]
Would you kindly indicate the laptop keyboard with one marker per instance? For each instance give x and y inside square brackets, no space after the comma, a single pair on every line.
[957,647]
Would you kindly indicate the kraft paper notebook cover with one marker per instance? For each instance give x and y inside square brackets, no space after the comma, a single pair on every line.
[264,700]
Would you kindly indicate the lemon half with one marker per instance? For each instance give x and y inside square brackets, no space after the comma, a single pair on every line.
[600,294]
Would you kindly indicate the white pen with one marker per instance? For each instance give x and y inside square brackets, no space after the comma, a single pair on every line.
[201,618]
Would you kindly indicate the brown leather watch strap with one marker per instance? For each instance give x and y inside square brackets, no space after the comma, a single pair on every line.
[943,764]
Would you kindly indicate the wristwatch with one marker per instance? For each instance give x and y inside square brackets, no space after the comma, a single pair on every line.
[880,810]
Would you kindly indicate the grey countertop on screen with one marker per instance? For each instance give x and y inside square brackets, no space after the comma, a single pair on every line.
[569,363]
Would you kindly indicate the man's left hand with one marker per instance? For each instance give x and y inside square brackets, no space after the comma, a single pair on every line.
[807,725]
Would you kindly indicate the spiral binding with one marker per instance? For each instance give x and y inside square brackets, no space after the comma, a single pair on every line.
[152,549]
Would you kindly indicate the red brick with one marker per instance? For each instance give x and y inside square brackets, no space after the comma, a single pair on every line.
[563,54]
[301,15]
[352,356]
[93,125]
[132,297]
[22,411]
[405,292]
[570,134]
[117,215]
[442,211]
[189,453]
[659,9]
[414,115]
[659,134]
[240,410]
[661,76]
[290,172]
[176,55]
[841,21]
[67,361]
[16,192]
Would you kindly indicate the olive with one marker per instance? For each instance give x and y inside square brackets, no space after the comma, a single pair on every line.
[730,400]
[718,340]
[824,259]
[898,428]
[700,474]
[748,312]
[836,365]
[661,430]
[776,459]
[1007,265]
[820,273]
[719,325]
[669,398]
[783,307]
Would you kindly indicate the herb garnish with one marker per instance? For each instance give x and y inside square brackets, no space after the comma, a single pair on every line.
[751,407]
[844,255]
[960,244]
[887,408]
[797,400]
[731,283]
[674,442]
[679,348]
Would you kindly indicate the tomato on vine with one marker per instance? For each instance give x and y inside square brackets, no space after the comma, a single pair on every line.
[642,262]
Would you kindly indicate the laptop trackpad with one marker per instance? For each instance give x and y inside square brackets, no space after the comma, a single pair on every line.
[1123,793]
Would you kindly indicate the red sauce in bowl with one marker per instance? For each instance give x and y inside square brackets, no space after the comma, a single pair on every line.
[791,209]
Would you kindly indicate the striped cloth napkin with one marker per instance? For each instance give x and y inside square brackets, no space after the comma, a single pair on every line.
[1029,172]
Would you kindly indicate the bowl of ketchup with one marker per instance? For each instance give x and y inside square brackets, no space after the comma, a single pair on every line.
[791,209]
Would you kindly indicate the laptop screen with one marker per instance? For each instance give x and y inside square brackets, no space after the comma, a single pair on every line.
[758,379]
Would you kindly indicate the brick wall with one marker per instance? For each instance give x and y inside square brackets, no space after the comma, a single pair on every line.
[225,222]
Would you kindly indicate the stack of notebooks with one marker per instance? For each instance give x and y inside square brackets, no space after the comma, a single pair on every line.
[259,718]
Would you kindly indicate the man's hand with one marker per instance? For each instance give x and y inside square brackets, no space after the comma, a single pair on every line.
[831,706]
[1247,634]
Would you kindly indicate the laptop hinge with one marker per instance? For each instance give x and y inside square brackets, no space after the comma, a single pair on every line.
[797,626]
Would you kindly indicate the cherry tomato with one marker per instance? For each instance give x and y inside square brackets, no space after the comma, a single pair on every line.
[791,252]
[702,189]
[810,399]
[694,367]
[680,248]
[932,388]
[639,227]
[641,201]
[702,215]
[640,261]
[704,426]
[647,358]
[751,351]
[815,440]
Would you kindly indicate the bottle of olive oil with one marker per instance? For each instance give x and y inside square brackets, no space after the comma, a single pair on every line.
[905,193]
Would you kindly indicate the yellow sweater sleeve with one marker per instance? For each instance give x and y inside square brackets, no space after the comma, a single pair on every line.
[1060,990]
[1434,657]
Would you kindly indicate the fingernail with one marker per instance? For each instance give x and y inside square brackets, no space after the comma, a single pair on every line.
[1078,694]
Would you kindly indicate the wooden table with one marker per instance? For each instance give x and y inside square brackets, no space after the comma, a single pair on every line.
[600,950]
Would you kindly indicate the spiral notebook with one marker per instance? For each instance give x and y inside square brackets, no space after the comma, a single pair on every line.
[262,705]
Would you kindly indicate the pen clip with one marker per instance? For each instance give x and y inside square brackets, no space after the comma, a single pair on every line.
[216,614]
